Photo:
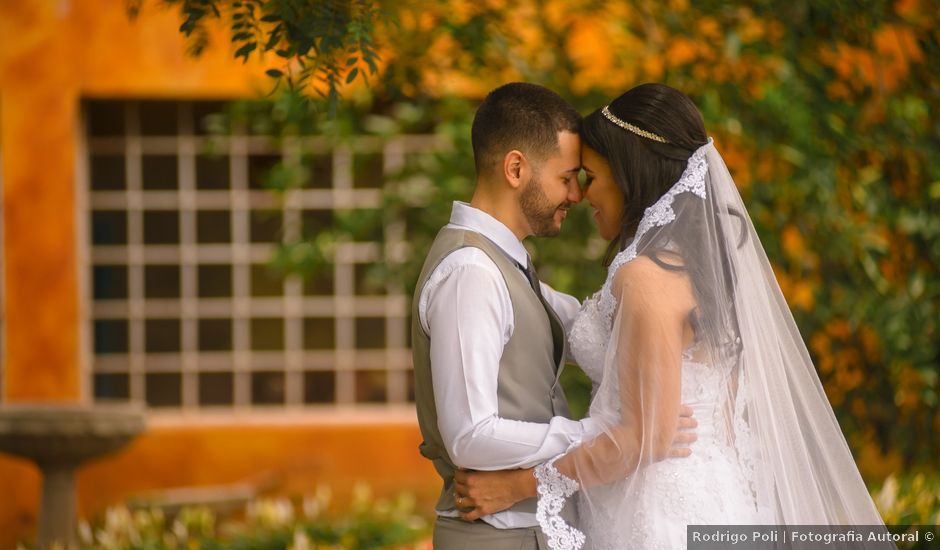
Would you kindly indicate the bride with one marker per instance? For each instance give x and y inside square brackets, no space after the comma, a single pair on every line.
[690,313]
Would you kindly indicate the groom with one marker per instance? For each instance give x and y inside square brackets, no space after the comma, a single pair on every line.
[488,338]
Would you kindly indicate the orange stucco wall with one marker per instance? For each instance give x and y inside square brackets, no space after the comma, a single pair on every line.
[54,52]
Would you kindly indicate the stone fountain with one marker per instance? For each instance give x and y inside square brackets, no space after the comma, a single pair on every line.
[58,438]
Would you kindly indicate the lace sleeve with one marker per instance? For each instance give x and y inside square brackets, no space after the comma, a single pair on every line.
[553,488]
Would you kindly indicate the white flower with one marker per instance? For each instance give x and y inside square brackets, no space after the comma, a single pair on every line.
[301,541]
[887,495]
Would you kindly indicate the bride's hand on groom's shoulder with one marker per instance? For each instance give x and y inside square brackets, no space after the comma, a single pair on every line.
[480,494]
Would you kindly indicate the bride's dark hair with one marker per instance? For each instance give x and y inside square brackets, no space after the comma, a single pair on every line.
[644,169]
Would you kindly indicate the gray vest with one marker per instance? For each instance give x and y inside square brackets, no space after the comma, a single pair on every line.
[528,387]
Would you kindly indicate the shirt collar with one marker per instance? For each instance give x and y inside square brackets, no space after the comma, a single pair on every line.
[465,216]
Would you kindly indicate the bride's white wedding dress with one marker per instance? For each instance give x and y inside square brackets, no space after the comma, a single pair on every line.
[712,486]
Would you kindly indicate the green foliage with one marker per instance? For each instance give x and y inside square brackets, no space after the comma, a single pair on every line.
[821,110]
[269,524]
[910,500]
[320,45]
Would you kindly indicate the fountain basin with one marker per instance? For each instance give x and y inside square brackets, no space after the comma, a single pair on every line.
[58,438]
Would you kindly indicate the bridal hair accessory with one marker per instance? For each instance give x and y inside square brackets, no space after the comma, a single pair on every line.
[631,128]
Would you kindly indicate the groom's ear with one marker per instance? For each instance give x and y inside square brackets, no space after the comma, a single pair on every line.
[514,167]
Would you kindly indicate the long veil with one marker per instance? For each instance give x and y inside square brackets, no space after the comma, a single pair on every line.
[695,315]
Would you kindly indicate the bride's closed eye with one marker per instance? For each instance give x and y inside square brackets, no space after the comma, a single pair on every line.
[587,182]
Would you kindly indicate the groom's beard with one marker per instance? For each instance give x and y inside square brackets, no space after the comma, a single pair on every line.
[538,211]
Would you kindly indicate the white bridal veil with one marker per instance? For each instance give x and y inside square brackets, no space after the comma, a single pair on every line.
[694,315]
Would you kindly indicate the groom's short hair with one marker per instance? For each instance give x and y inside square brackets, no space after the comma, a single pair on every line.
[521,116]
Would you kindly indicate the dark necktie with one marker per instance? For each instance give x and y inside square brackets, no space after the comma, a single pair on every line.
[558,335]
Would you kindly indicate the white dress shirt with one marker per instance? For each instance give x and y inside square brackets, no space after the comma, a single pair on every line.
[466,310]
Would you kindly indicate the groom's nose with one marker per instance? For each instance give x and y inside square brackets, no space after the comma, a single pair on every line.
[574,191]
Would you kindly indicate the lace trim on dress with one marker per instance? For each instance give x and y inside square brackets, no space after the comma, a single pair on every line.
[658,215]
[553,488]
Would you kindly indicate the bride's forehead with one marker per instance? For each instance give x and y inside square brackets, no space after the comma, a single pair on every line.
[591,160]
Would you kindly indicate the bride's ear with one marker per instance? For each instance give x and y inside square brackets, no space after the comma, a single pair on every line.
[515,167]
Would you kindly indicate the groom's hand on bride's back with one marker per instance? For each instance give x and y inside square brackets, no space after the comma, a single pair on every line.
[684,434]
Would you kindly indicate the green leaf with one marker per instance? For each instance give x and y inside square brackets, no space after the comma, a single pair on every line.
[273,39]
[274,73]
[352,75]
[246,50]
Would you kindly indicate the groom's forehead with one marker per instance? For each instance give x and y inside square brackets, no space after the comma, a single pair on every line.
[567,156]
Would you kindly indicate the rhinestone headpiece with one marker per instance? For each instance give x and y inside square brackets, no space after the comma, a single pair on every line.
[631,128]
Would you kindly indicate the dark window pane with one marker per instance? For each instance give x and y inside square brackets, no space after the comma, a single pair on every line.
[267,334]
[161,281]
[215,334]
[265,281]
[215,281]
[258,168]
[370,386]
[108,227]
[162,335]
[159,172]
[164,389]
[369,279]
[158,118]
[267,388]
[104,118]
[320,282]
[370,332]
[216,388]
[109,282]
[112,386]
[418,222]
[265,226]
[212,172]
[107,172]
[202,110]
[110,336]
[213,226]
[367,171]
[161,227]
[319,333]
[319,387]
[315,221]
[320,171]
